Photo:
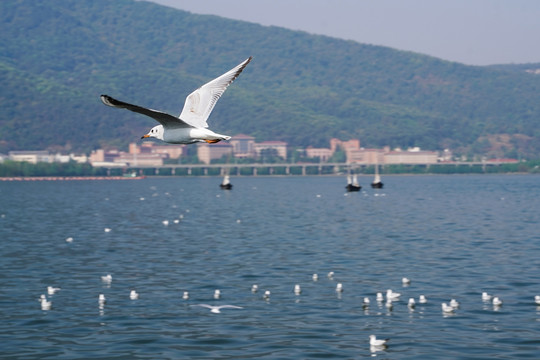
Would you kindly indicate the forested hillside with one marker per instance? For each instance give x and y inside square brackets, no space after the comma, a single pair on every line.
[57,57]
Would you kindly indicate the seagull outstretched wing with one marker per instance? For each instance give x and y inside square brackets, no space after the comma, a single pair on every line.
[164,119]
[200,103]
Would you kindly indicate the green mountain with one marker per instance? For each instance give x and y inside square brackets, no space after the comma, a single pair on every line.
[57,57]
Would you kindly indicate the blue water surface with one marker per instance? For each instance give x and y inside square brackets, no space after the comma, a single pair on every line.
[453,236]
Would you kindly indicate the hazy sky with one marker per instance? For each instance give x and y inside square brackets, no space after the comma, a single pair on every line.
[474,32]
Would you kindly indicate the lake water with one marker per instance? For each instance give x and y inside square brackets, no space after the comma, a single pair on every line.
[453,236]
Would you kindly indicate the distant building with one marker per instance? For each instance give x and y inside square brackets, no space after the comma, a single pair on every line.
[411,157]
[172,151]
[322,153]
[31,156]
[243,146]
[366,156]
[208,152]
[100,155]
[135,160]
[279,146]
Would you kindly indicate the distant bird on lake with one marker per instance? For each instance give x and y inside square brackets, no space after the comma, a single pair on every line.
[497,301]
[133,295]
[45,305]
[217,309]
[51,290]
[447,308]
[373,341]
[190,127]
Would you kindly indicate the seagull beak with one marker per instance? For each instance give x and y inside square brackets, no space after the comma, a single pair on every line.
[145,136]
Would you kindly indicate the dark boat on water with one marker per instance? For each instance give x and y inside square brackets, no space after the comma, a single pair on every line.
[352,184]
[377,184]
[226,183]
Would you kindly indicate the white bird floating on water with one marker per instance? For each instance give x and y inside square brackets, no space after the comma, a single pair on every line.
[45,305]
[537,299]
[266,294]
[422,299]
[216,309]
[390,295]
[217,294]
[190,127]
[185,295]
[51,290]
[101,299]
[497,301]
[330,274]
[373,341]
[380,297]
[254,288]
[447,308]
[107,278]
[69,240]
[165,222]
[366,301]
[454,303]
[297,289]
[405,281]
[133,295]
[315,277]
[339,287]
[411,304]
[486,296]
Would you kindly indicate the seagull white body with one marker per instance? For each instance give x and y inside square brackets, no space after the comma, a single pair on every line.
[297,289]
[447,308]
[390,295]
[190,127]
[486,296]
[411,304]
[422,299]
[454,303]
[254,288]
[185,295]
[330,274]
[107,278]
[380,297]
[45,305]
[537,299]
[405,281]
[497,301]
[373,341]
[267,294]
[366,301]
[51,290]
[101,299]
[315,277]
[339,287]
[133,295]
[217,309]
[217,294]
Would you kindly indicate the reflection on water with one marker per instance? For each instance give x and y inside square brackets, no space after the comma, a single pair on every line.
[177,240]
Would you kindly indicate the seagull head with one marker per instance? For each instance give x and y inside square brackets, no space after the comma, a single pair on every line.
[155,132]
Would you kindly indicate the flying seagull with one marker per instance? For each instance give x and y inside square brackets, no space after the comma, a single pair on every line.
[217,309]
[190,127]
